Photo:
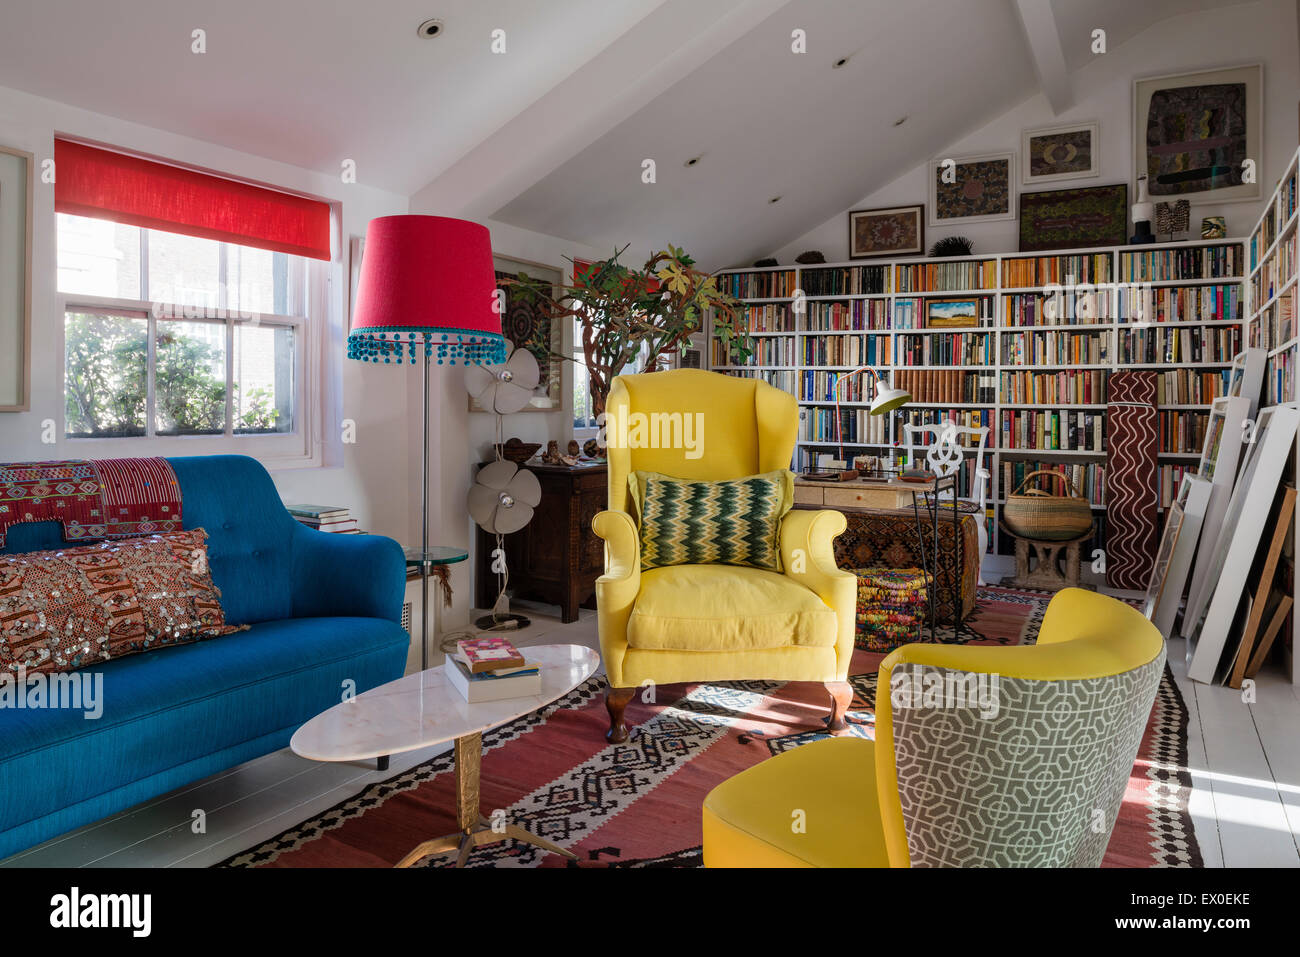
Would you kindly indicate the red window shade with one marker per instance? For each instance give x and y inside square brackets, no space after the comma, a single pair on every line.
[138,192]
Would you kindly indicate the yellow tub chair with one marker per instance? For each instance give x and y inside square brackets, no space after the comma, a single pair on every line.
[715,622]
[983,756]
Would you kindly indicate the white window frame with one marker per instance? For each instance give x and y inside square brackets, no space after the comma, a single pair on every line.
[300,448]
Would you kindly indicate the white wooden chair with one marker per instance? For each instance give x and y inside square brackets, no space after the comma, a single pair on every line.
[944,456]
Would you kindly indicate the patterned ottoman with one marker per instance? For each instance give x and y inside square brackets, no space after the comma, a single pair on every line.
[891,607]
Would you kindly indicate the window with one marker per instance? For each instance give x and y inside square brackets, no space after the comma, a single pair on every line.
[171,335]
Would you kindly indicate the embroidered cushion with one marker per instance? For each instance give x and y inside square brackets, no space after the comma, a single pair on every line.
[74,607]
[733,522]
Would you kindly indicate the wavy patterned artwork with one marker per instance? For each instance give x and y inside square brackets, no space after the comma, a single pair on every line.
[1131,495]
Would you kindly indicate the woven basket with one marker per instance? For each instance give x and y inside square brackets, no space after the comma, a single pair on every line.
[1045,517]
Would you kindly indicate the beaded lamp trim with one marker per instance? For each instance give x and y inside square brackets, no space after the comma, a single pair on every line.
[398,344]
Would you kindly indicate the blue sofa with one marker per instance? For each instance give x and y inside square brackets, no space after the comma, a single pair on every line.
[323,609]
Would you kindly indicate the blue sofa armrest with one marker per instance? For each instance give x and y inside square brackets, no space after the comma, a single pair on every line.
[360,576]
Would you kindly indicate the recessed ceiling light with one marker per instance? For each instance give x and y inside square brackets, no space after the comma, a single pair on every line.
[430,29]
[900,121]
[693,161]
[839,63]
[775,199]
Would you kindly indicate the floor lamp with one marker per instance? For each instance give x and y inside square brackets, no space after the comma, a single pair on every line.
[426,295]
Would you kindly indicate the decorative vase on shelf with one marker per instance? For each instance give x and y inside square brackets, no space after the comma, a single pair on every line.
[1142,212]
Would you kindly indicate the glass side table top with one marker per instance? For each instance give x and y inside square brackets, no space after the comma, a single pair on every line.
[435,555]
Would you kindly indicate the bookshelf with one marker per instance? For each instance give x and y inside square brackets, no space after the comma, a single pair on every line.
[1271,292]
[1022,343]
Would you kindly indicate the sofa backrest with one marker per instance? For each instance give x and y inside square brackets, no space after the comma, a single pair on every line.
[250,535]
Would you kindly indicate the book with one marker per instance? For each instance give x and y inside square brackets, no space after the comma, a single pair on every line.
[478,688]
[318,512]
[487,654]
[333,525]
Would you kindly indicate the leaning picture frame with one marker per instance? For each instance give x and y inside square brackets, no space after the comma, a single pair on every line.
[1220,455]
[525,324]
[1244,522]
[1183,521]
[16,199]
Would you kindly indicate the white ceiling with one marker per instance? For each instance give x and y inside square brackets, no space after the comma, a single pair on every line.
[551,136]
[310,82]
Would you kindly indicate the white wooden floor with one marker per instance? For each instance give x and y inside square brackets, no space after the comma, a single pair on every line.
[1245,761]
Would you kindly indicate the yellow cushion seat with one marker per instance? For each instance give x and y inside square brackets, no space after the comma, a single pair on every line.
[727,608]
[750,819]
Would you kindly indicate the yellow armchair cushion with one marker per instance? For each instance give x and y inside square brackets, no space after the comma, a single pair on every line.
[813,806]
[726,608]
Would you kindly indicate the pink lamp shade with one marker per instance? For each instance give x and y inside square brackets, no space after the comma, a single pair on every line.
[426,280]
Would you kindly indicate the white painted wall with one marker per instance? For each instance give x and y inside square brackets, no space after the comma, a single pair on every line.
[1103,91]
[371,478]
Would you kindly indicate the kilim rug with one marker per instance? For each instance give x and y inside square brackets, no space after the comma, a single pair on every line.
[638,804]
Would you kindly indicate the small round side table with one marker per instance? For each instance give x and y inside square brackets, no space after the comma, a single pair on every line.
[425,560]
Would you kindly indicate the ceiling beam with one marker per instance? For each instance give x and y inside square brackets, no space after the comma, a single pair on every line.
[675,39]
[1044,40]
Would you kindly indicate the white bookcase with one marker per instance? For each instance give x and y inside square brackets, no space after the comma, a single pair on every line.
[878,308]
[1271,296]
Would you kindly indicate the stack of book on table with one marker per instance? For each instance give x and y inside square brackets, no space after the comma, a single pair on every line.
[489,669]
[325,518]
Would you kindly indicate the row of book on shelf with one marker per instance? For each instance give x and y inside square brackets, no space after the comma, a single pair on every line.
[945,349]
[1276,271]
[1216,303]
[1275,326]
[857,426]
[1186,263]
[1071,270]
[1189,262]
[1068,308]
[1181,431]
[1066,386]
[842,350]
[1058,348]
[1087,478]
[946,385]
[326,518]
[1151,344]
[1072,430]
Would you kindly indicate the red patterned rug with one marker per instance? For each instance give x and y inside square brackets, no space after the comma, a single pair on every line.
[638,804]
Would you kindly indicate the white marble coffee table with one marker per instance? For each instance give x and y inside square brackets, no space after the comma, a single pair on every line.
[423,709]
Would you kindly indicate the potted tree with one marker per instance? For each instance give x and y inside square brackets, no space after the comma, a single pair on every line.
[623,313]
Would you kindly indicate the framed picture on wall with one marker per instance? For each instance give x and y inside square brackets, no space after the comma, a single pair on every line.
[1074,218]
[972,189]
[1194,133]
[892,231]
[15,280]
[526,325]
[1055,153]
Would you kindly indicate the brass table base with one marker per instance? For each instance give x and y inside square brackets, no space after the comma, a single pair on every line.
[475,829]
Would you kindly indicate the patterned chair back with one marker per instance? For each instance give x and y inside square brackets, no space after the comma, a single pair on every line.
[1016,756]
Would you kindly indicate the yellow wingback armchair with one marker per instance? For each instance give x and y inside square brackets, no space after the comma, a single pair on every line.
[715,622]
[983,756]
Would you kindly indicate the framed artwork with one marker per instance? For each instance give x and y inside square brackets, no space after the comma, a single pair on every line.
[1054,153]
[1218,466]
[893,231]
[528,327]
[957,313]
[971,189]
[1247,378]
[1183,524]
[1244,526]
[1194,132]
[15,280]
[1074,218]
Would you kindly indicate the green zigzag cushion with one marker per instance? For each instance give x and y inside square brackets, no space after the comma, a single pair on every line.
[734,522]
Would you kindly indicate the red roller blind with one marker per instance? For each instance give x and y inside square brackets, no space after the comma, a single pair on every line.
[126,189]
